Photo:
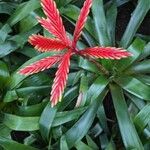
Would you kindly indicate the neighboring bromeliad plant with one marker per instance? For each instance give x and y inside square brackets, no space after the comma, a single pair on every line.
[53,23]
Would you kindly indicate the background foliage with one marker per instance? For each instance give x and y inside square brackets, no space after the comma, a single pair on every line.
[114,112]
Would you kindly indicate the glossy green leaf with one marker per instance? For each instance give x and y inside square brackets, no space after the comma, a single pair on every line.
[8,144]
[140,67]
[81,127]
[135,87]
[46,121]
[32,110]
[96,88]
[100,22]
[101,115]
[137,17]
[7,47]
[5,131]
[63,117]
[4,31]
[10,96]
[4,74]
[63,143]
[146,51]
[136,49]
[22,11]
[22,38]
[137,101]
[21,123]
[43,90]
[91,142]
[144,78]
[28,22]
[111,146]
[111,16]
[121,2]
[86,65]
[82,146]
[142,119]
[6,7]
[127,129]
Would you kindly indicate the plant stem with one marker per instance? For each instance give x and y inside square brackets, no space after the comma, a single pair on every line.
[99,66]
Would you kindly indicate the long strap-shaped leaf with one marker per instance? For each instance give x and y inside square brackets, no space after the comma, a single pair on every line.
[127,129]
[135,21]
[54,22]
[60,79]
[81,21]
[44,44]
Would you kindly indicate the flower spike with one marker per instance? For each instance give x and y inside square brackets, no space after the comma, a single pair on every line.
[81,21]
[54,22]
[60,79]
[105,52]
[40,65]
[44,44]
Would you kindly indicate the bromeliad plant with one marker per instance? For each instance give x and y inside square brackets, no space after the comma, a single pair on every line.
[53,23]
[24,100]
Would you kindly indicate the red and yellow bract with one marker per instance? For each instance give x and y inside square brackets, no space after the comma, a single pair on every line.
[53,23]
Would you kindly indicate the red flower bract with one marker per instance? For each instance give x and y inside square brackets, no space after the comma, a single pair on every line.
[53,23]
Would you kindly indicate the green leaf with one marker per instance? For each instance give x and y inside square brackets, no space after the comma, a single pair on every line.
[121,2]
[5,131]
[7,47]
[140,67]
[4,74]
[22,11]
[19,123]
[144,78]
[28,22]
[91,143]
[23,92]
[100,22]
[46,121]
[6,7]
[111,146]
[102,118]
[32,110]
[137,101]
[4,31]
[142,118]
[10,96]
[63,143]
[111,15]
[127,129]
[86,65]
[136,49]
[63,117]
[135,21]
[22,38]
[82,146]
[81,127]
[8,144]
[135,87]
[68,97]
[146,51]
[96,88]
